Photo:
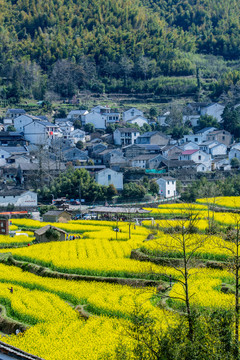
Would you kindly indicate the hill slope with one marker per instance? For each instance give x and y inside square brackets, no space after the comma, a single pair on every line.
[121,40]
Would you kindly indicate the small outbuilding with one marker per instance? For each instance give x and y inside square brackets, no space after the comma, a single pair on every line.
[50,233]
[57,216]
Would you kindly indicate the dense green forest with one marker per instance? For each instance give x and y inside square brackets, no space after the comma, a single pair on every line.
[60,46]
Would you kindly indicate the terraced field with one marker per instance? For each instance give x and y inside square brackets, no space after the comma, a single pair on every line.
[70,318]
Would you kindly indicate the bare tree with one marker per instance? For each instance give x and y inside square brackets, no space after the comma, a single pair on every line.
[232,246]
[185,240]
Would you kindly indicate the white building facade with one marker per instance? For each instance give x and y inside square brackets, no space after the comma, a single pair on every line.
[18,198]
[167,187]
[108,176]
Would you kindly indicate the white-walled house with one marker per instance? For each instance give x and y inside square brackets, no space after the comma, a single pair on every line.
[109,116]
[7,151]
[14,113]
[76,114]
[108,176]
[214,110]
[192,119]
[198,156]
[167,186]
[131,113]
[41,132]
[138,119]
[189,146]
[95,118]
[125,136]
[24,120]
[19,198]
[200,136]
[213,148]
[234,152]
[78,135]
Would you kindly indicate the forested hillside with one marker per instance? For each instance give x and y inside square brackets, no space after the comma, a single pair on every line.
[62,46]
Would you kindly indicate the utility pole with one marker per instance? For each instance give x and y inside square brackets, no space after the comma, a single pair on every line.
[80,198]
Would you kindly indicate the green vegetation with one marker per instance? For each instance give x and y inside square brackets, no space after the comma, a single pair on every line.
[52,49]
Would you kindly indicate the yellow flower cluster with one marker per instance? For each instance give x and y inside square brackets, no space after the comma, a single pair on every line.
[63,335]
[204,289]
[204,246]
[226,201]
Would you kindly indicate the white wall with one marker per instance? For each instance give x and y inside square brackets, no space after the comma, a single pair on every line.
[167,188]
[96,119]
[28,198]
[129,114]
[108,176]
[21,121]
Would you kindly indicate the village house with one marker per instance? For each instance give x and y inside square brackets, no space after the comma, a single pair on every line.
[12,114]
[41,132]
[171,152]
[137,120]
[213,148]
[108,156]
[147,161]
[131,113]
[198,156]
[76,115]
[46,234]
[189,146]
[75,154]
[61,216]
[78,135]
[167,186]
[108,176]
[131,151]
[11,138]
[18,198]
[234,152]
[153,138]
[199,137]
[125,136]
[193,112]
[7,151]
[222,136]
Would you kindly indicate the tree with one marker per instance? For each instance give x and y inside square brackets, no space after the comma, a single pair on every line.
[90,128]
[153,112]
[232,246]
[181,240]
[77,124]
[111,191]
[231,120]
[207,121]
[11,128]
[235,163]
[133,191]
[154,187]
[80,145]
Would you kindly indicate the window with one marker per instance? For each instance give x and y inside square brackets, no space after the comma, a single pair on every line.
[1,224]
[168,192]
[199,157]
[202,168]
[196,139]
[134,134]
[2,156]
[168,182]
[223,137]
[109,177]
